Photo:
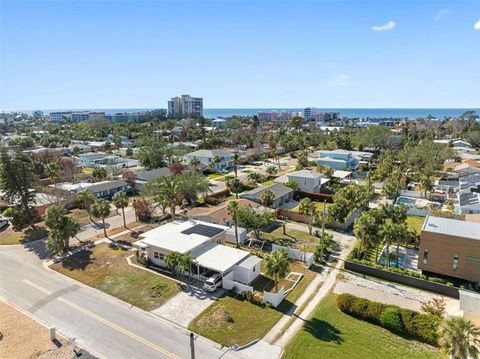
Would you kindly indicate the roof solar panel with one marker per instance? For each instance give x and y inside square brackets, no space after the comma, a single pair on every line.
[203,230]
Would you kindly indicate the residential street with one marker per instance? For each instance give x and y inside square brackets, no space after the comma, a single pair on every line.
[103,325]
[92,229]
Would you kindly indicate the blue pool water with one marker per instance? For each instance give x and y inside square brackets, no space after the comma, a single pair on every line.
[393,263]
[406,201]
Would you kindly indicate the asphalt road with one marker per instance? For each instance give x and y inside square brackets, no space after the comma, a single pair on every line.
[101,324]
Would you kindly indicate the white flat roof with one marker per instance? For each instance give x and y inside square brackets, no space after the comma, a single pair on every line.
[341,174]
[170,236]
[218,257]
[452,227]
[250,261]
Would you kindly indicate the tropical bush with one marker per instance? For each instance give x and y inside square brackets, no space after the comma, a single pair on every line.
[422,327]
[390,319]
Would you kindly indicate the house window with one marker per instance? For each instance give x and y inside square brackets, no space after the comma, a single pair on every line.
[253,269]
[158,255]
[455,262]
[425,256]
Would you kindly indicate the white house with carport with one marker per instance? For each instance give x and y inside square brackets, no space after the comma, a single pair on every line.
[308,181]
[204,241]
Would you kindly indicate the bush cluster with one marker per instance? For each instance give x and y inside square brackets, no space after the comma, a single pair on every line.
[422,327]
[252,297]
[408,272]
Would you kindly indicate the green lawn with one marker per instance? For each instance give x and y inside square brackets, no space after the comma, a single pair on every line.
[319,205]
[333,334]
[293,238]
[266,183]
[106,269]
[232,320]
[213,176]
[10,236]
[87,170]
[415,223]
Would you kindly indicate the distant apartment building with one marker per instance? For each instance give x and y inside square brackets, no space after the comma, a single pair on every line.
[280,117]
[75,116]
[185,105]
[314,114]
[451,248]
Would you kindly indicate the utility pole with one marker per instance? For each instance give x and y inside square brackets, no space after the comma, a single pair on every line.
[192,346]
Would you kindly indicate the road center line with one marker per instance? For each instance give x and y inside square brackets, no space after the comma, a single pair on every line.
[105,321]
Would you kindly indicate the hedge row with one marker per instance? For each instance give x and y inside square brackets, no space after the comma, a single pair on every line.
[408,272]
[422,327]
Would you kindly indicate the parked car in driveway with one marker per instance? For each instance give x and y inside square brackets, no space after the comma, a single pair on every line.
[3,222]
[213,283]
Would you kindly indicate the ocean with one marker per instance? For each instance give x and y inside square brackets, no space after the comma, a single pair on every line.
[410,113]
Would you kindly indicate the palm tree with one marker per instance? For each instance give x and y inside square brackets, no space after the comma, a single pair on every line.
[169,190]
[460,338]
[120,200]
[86,199]
[185,263]
[234,185]
[215,161]
[101,209]
[365,230]
[232,208]
[271,170]
[99,173]
[236,160]
[267,198]
[173,262]
[51,170]
[292,184]
[195,163]
[309,208]
[276,264]
[390,233]
[254,177]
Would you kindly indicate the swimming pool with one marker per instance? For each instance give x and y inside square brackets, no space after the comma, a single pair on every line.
[393,261]
[406,201]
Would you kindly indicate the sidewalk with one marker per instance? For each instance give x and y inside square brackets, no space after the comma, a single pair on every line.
[329,279]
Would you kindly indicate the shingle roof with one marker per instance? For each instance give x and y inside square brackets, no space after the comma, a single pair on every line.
[452,227]
[209,153]
[153,174]
[106,185]
[305,173]
[278,189]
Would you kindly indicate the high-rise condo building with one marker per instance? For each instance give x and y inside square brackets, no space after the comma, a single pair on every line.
[185,105]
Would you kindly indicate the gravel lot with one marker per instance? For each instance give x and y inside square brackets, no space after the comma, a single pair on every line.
[23,337]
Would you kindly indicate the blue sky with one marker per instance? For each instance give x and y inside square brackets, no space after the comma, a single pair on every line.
[137,54]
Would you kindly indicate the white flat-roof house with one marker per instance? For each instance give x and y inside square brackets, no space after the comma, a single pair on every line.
[308,181]
[206,157]
[337,159]
[204,241]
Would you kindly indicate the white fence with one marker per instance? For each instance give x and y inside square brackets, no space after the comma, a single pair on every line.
[296,254]
[229,284]
[274,298]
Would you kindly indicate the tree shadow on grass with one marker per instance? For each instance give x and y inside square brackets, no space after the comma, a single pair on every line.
[323,330]
[79,260]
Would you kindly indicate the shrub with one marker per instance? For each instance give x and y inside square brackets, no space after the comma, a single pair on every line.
[422,327]
[391,320]
[425,328]
[252,297]
[436,307]
[227,317]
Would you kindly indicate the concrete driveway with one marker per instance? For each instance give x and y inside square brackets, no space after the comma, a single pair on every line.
[187,305]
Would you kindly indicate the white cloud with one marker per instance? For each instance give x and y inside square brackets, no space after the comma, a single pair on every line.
[477,25]
[385,27]
[339,80]
[440,14]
